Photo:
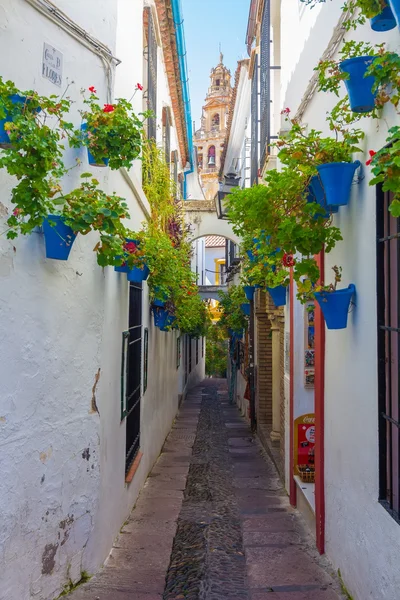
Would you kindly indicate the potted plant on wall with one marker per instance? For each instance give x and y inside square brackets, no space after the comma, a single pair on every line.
[378,11]
[385,166]
[112,133]
[33,128]
[329,157]
[335,303]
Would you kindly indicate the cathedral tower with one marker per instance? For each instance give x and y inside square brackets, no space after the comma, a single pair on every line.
[209,139]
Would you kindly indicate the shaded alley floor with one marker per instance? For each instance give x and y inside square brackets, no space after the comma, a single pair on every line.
[212,521]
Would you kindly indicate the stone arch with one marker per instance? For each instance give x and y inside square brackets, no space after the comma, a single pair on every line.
[202,218]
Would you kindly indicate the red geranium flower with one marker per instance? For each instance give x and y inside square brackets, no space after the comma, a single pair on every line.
[371,154]
[92,89]
[285,111]
[108,108]
[288,260]
[17,212]
[130,247]
[139,86]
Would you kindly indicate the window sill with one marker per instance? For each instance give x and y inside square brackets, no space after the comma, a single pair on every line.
[308,491]
[134,467]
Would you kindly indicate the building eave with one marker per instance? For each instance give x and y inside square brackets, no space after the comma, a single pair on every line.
[172,68]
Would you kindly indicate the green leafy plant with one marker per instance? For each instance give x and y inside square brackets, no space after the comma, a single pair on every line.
[114,131]
[88,208]
[386,168]
[36,129]
[232,316]
[305,151]
[216,351]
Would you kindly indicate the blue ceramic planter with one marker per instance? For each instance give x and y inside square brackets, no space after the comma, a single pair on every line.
[359,87]
[160,317]
[384,21]
[91,160]
[161,299]
[335,306]
[249,291]
[395,6]
[137,275]
[58,237]
[4,139]
[245,308]
[336,179]
[317,194]
[169,323]
[278,295]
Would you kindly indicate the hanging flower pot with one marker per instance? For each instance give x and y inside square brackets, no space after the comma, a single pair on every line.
[160,297]
[235,334]
[245,308]
[91,160]
[336,179]
[160,317]
[395,6]
[384,21]
[249,291]
[335,306]
[138,274]
[317,194]
[124,267]
[58,237]
[4,138]
[278,295]
[359,87]
[169,323]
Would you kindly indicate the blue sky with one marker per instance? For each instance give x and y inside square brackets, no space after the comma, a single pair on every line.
[207,24]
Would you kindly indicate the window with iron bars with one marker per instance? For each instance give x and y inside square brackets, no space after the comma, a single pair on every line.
[151,52]
[254,125]
[388,305]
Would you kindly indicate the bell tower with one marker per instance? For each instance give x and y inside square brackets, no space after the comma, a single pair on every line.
[209,139]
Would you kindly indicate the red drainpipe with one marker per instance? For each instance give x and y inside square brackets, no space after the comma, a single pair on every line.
[292,487]
[319,418]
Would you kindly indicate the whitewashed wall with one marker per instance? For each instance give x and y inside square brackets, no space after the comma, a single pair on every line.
[211,255]
[63,496]
[361,538]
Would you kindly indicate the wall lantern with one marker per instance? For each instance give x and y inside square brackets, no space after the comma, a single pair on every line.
[221,201]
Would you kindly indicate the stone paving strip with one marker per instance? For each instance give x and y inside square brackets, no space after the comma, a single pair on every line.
[213,521]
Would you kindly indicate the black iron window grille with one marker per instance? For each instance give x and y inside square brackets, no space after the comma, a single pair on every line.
[265,82]
[131,374]
[388,304]
[152,52]
[254,125]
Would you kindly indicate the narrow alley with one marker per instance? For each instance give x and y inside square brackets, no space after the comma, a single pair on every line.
[212,521]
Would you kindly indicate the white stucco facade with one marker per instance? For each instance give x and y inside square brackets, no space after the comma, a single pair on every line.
[63,495]
[362,539]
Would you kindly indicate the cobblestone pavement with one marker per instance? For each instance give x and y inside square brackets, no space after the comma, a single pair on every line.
[213,521]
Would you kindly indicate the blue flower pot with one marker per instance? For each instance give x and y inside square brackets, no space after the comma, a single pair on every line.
[249,291]
[395,6]
[384,21]
[251,256]
[245,307]
[58,237]
[160,317]
[91,160]
[278,295]
[335,306]
[336,179]
[317,194]
[124,268]
[161,299]
[136,275]
[169,323]
[4,139]
[359,87]
[235,334]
